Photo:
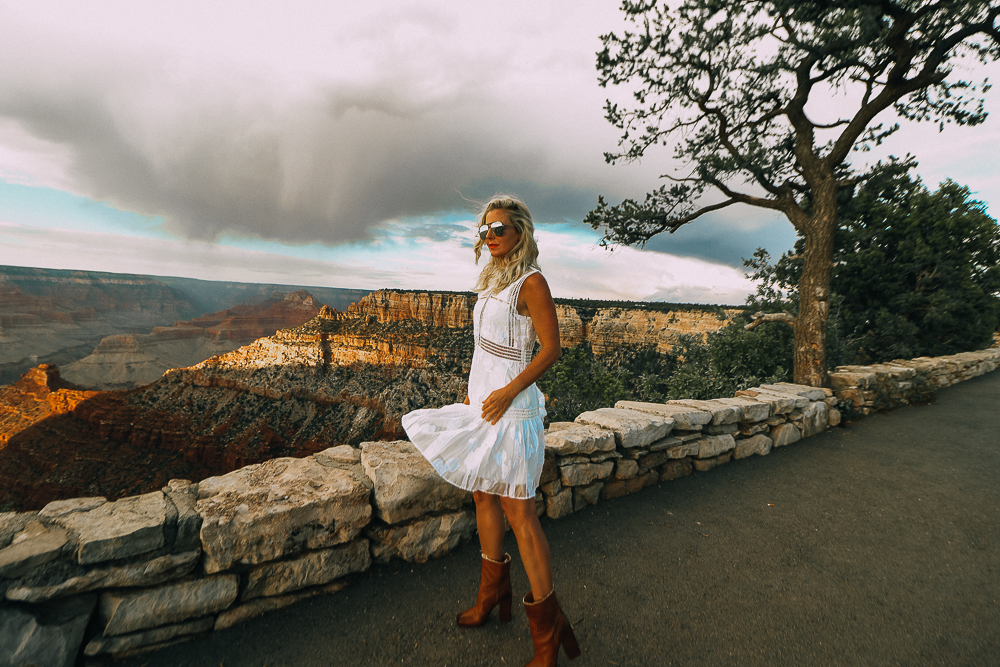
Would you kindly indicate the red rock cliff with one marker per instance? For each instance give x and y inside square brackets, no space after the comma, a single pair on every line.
[436,309]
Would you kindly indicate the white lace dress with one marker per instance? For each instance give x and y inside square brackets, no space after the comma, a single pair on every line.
[506,458]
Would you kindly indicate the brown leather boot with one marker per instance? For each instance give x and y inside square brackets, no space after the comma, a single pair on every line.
[494,589]
[549,630]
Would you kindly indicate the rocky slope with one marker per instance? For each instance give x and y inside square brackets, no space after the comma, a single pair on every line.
[339,378]
[330,381]
[127,360]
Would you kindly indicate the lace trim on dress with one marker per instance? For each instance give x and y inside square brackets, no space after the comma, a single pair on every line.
[507,351]
[522,413]
[512,298]
[503,351]
[517,414]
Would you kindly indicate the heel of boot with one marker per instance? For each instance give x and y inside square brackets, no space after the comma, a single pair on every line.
[569,644]
[505,608]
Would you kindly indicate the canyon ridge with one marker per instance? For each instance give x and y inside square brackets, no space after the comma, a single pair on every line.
[338,378]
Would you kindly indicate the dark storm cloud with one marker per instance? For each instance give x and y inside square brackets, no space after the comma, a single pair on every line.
[314,173]
[728,241]
[548,203]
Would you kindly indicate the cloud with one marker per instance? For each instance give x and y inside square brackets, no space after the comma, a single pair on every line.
[404,258]
[716,239]
[318,122]
[420,109]
[585,270]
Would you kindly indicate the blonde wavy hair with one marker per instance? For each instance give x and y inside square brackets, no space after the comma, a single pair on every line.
[501,272]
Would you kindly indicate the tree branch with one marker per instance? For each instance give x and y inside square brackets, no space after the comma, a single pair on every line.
[690,217]
[897,85]
[761,318]
[779,204]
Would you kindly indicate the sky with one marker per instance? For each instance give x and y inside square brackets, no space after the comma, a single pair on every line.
[330,144]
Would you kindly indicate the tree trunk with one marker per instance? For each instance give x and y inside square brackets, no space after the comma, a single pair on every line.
[814,297]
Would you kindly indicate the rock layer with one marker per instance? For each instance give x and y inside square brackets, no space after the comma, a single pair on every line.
[126,360]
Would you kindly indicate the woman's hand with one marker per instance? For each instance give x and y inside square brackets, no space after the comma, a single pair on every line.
[497,403]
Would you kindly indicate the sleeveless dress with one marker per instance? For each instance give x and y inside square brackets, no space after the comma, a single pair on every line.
[506,458]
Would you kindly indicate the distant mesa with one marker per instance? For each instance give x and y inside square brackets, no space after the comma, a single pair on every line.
[123,361]
[59,322]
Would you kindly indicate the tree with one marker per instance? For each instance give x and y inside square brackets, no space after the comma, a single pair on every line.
[916,273]
[729,81]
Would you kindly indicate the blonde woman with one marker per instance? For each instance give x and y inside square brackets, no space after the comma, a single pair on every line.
[494,444]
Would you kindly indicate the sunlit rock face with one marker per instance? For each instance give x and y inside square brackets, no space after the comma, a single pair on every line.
[438,309]
[39,394]
[609,329]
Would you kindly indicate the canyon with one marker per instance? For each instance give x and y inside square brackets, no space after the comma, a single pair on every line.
[123,361]
[58,319]
[338,378]
[59,316]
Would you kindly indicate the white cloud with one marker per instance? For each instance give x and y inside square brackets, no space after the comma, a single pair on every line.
[575,267]
[585,270]
[27,160]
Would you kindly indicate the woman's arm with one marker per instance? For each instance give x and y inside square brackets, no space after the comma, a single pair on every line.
[537,300]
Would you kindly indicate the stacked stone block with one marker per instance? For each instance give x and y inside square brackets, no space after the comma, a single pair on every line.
[867,389]
[106,579]
[193,558]
[613,452]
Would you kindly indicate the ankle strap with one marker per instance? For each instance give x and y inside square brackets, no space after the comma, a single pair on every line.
[506,559]
[547,596]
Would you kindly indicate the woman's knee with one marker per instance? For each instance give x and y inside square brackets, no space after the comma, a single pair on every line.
[520,513]
[483,499]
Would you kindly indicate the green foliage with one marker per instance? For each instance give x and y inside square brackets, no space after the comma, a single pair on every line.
[777,293]
[577,383]
[587,307]
[915,273]
[644,371]
[731,359]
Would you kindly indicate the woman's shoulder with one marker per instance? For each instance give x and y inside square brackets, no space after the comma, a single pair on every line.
[533,276]
[534,283]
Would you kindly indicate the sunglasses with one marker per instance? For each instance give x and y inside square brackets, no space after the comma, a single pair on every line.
[498,229]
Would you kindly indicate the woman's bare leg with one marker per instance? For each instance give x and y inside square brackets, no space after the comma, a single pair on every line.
[489,521]
[531,543]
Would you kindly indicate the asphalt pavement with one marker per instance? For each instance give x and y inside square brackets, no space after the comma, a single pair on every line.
[873,544]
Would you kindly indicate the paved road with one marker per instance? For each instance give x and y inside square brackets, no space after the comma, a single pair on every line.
[874,544]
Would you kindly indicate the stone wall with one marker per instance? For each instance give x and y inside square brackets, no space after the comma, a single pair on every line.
[867,389]
[111,578]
